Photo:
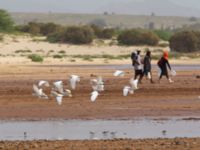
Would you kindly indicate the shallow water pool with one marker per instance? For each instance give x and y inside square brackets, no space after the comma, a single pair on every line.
[99,129]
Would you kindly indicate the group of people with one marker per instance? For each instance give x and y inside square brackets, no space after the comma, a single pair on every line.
[143,66]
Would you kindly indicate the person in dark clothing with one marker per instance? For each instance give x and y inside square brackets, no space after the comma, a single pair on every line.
[162,64]
[147,66]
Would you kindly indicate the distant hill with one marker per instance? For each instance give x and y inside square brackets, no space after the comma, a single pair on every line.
[132,7]
[146,7]
[112,20]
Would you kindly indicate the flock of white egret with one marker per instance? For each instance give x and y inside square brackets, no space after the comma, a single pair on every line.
[97,86]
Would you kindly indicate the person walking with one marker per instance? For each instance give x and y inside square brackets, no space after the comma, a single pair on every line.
[162,64]
[137,66]
[147,66]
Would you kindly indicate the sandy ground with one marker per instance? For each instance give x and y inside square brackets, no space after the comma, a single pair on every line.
[12,44]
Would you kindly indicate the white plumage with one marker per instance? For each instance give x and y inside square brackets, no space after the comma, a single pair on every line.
[127,90]
[94,96]
[119,73]
[97,84]
[39,92]
[58,86]
[73,80]
[134,83]
[43,82]
[57,96]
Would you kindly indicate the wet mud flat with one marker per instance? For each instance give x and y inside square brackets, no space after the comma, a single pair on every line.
[151,100]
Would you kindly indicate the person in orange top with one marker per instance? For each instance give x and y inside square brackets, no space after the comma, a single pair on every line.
[162,64]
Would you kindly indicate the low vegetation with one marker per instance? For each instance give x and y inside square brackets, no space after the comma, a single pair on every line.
[6,22]
[186,41]
[23,51]
[36,58]
[163,34]
[138,37]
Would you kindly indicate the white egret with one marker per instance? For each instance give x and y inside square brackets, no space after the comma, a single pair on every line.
[97,84]
[67,92]
[58,86]
[134,83]
[119,73]
[39,92]
[58,97]
[127,90]
[94,96]
[43,82]
[73,80]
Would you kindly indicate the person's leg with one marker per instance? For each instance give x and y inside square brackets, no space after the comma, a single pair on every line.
[136,74]
[160,77]
[140,78]
[168,78]
[151,79]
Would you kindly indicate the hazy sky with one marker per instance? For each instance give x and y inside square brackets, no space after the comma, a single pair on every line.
[99,6]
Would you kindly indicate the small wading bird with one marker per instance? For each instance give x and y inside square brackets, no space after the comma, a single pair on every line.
[127,90]
[119,73]
[58,97]
[58,87]
[58,92]
[134,83]
[94,96]
[130,89]
[97,84]
[39,92]
[43,83]
[73,81]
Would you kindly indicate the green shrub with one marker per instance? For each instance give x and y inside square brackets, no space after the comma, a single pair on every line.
[6,22]
[50,28]
[103,33]
[78,35]
[62,52]
[55,37]
[186,41]
[137,37]
[164,35]
[106,34]
[58,56]
[148,38]
[34,28]
[36,58]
